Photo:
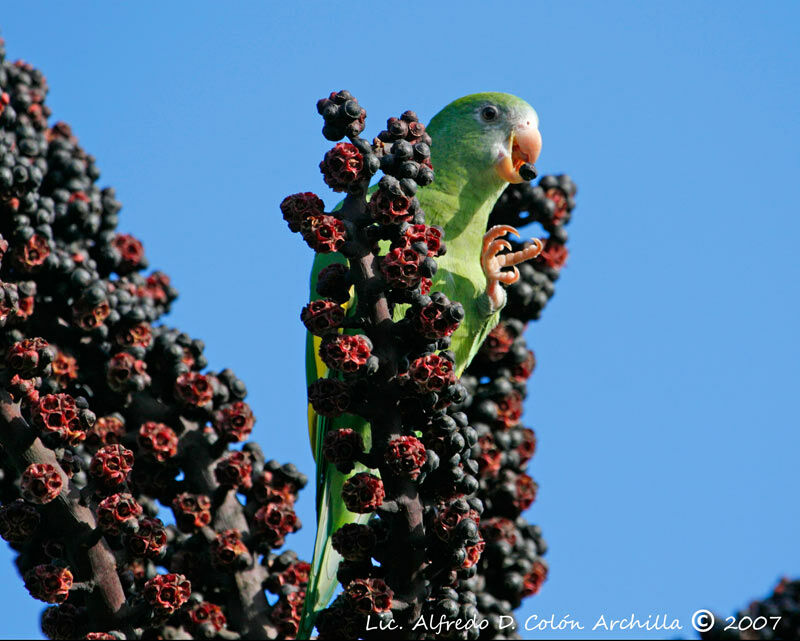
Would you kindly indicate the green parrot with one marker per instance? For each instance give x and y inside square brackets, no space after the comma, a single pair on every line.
[480,143]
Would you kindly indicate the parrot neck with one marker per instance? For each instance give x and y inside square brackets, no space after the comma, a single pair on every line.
[461,206]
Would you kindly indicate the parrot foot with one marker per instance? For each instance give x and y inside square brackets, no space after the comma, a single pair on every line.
[492,261]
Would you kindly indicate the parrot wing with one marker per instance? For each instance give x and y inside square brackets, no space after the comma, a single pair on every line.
[331,512]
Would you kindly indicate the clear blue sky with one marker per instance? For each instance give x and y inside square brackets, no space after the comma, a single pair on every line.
[668,359]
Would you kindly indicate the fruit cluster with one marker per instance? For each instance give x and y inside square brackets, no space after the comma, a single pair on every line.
[443,479]
[511,566]
[110,421]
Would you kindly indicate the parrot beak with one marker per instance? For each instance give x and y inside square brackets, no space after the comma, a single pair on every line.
[524,146]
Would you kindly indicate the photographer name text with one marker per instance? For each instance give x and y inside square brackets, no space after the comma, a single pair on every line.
[701,620]
[441,624]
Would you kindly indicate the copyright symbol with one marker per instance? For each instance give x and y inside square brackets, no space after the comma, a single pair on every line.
[703,620]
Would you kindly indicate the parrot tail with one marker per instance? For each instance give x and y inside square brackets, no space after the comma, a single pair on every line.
[322,579]
[331,515]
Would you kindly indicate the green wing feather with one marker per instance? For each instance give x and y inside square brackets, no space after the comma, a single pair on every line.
[331,513]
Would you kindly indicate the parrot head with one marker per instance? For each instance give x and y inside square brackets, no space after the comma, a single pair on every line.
[489,135]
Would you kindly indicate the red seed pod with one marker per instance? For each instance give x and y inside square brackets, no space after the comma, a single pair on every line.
[167,592]
[139,335]
[527,446]
[329,397]
[273,488]
[332,283]
[234,470]
[474,552]
[206,614]
[354,541]
[554,255]
[227,548]
[25,308]
[24,390]
[192,511]
[158,440]
[58,414]
[296,574]
[416,130]
[526,490]
[130,250]
[324,233]
[341,447]
[126,373]
[432,236]
[156,287]
[369,596]
[405,456]
[344,352]
[30,255]
[64,368]
[234,422]
[401,267]
[149,540]
[40,483]
[532,582]
[499,528]
[115,510]
[363,493]
[497,343]
[111,465]
[343,166]
[107,430]
[490,458]
[425,286]
[18,521]
[274,521]
[390,209]
[61,622]
[297,207]
[29,356]
[322,317]
[561,201]
[449,517]
[522,371]
[286,614]
[439,318]
[509,410]
[431,373]
[49,583]
[194,389]
[89,317]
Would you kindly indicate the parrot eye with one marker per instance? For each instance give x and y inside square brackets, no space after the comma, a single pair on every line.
[489,113]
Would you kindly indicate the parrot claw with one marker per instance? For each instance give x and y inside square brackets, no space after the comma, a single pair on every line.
[492,261]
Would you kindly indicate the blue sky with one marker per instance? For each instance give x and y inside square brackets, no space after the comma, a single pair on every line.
[667,361]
